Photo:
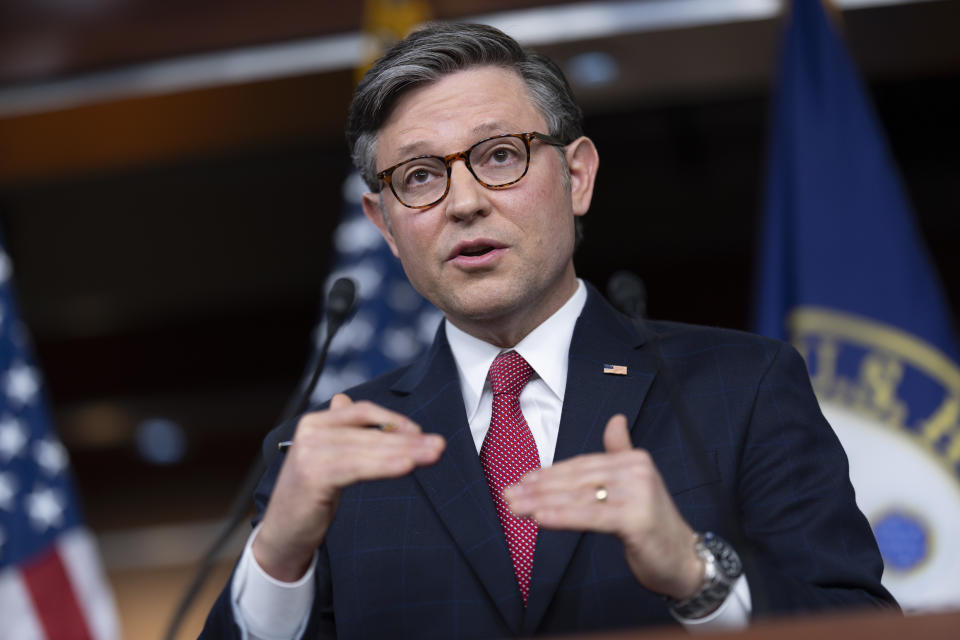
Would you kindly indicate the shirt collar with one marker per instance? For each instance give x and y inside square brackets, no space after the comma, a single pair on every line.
[546,349]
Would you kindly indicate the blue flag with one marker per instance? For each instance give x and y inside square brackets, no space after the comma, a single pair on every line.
[844,274]
[393,323]
[51,582]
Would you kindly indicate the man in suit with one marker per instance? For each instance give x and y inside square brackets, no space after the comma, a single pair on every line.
[549,465]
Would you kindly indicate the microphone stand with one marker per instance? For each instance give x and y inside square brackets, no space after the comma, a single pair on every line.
[339,304]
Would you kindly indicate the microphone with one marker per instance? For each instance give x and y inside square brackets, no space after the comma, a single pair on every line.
[340,302]
[628,294]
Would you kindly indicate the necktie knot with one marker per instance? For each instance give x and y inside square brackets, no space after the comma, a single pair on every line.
[509,374]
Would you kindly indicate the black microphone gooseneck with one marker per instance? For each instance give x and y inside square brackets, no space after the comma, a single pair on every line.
[339,304]
[628,294]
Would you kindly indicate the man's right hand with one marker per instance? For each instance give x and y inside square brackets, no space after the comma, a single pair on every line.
[333,449]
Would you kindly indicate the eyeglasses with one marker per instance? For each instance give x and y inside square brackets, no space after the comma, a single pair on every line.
[495,162]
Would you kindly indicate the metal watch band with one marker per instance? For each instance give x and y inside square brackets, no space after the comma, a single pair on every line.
[722,567]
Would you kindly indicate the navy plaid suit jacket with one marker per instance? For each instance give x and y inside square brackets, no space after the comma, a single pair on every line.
[424,556]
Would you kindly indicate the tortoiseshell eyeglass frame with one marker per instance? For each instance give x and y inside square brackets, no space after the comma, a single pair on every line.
[387,174]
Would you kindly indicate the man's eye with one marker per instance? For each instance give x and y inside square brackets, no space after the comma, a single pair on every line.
[503,155]
[416,176]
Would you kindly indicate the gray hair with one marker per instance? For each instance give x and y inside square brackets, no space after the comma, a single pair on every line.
[442,48]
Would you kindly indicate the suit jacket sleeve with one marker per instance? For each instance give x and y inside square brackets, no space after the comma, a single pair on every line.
[813,548]
[220,623]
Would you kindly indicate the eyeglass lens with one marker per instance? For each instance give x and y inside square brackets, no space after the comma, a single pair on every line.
[494,162]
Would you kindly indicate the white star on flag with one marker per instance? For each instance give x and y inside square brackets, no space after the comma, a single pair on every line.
[45,507]
[21,384]
[8,489]
[50,455]
[13,437]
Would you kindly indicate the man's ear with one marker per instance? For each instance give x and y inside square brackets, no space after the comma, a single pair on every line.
[373,208]
[583,162]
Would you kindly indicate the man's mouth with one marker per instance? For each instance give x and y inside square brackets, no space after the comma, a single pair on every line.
[474,248]
[475,252]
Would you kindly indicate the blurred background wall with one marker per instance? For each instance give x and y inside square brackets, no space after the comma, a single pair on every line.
[171,174]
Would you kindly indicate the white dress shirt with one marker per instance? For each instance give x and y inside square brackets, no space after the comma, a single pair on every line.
[268,609]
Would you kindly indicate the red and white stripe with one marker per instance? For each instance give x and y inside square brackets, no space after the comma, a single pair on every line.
[60,594]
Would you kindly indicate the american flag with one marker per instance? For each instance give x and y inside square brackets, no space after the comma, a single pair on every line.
[52,585]
[392,325]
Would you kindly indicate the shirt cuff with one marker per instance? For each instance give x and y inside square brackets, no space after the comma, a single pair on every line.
[733,613]
[266,608]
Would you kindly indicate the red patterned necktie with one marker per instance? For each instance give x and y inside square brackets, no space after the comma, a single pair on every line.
[508,452]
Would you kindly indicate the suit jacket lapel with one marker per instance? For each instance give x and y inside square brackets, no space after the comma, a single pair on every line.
[601,337]
[456,486]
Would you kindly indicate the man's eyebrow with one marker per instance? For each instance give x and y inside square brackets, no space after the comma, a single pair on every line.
[411,149]
[417,147]
[492,127]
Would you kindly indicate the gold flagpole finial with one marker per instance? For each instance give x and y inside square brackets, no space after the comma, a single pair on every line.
[387,21]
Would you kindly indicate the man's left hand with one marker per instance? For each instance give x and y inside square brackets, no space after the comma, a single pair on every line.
[636,507]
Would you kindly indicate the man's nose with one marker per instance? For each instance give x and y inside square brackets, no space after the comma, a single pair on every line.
[466,197]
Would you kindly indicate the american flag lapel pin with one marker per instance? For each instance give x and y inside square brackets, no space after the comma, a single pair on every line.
[615,369]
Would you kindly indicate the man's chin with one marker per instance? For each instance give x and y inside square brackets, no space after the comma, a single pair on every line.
[480,304]
[493,299]
[479,309]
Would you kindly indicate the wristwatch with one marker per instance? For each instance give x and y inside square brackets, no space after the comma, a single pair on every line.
[722,567]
